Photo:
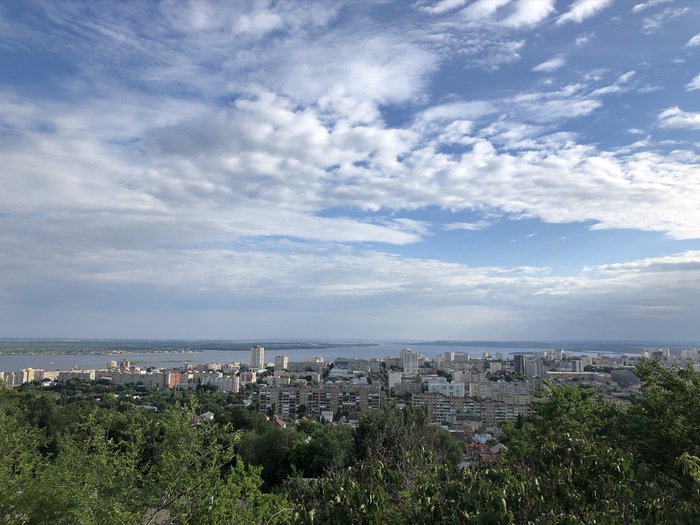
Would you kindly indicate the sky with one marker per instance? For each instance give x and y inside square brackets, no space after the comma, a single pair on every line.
[453,169]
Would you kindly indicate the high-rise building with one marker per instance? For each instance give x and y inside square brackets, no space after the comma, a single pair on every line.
[519,363]
[281,363]
[577,365]
[257,357]
[409,359]
[534,368]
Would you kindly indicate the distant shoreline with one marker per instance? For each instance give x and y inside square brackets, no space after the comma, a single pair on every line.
[120,347]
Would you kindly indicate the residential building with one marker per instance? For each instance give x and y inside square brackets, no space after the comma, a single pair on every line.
[409,360]
[257,357]
[489,411]
[285,401]
[454,389]
[281,363]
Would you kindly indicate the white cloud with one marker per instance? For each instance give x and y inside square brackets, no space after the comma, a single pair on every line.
[646,5]
[571,101]
[506,13]
[528,13]
[695,41]
[676,118]
[468,226]
[550,65]
[682,261]
[585,38]
[693,84]
[626,77]
[482,10]
[456,111]
[258,23]
[656,23]
[580,10]
[492,55]
[620,85]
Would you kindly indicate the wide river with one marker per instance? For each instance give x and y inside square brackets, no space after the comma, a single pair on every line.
[11,363]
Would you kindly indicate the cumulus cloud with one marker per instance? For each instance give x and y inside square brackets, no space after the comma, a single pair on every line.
[695,41]
[224,166]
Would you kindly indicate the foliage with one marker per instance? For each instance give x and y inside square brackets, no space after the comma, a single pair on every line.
[19,446]
[309,450]
[387,436]
[397,452]
[582,459]
[127,467]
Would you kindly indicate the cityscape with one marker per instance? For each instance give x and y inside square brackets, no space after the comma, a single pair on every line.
[459,391]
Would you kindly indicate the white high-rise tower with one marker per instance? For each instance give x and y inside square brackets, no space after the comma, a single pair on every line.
[281,362]
[257,357]
[410,362]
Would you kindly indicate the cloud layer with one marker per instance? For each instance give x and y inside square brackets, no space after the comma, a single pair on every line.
[230,159]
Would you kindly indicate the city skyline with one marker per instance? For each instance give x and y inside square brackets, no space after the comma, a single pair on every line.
[458,170]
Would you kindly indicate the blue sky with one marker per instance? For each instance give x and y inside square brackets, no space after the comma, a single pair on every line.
[455,169]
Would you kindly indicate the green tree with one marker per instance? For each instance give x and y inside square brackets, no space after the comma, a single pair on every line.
[126,467]
[324,449]
[18,459]
[386,435]
[273,450]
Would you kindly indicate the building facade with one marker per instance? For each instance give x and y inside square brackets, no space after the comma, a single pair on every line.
[285,401]
[281,363]
[409,360]
[257,357]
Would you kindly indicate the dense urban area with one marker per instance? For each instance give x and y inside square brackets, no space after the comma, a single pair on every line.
[459,391]
[526,438]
